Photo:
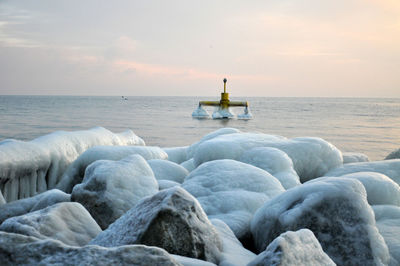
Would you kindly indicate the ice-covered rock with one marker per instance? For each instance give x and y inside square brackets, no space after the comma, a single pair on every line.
[388,222]
[177,154]
[166,170]
[186,261]
[111,188]
[354,157]
[2,200]
[275,162]
[222,131]
[393,155]
[189,165]
[165,184]
[380,188]
[335,210]
[75,172]
[293,248]
[233,252]
[390,168]
[38,202]
[68,222]
[24,250]
[232,191]
[172,219]
[312,157]
[28,168]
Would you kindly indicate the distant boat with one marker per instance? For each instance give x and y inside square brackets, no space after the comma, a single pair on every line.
[124,98]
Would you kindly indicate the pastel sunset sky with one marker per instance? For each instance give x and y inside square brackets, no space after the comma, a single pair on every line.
[310,48]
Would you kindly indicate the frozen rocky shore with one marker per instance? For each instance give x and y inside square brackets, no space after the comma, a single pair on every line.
[232,198]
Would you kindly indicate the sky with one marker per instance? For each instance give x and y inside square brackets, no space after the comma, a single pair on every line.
[276,48]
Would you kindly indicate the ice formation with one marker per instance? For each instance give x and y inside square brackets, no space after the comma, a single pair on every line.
[354,157]
[390,168]
[335,210]
[233,253]
[28,168]
[111,188]
[200,113]
[38,202]
[165,184]
[232,191]
[68,222]
[293,248]
[275,162]
[312,157]
[24,250]
[2,200]
[75,172]
[388,222]
[189,165]
[166,170]
[177,154]
[380,189]
[172,219]
[220,113]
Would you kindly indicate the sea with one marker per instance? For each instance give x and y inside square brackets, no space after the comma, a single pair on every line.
[366,125]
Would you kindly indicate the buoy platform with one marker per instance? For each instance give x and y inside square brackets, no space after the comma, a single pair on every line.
[222,107]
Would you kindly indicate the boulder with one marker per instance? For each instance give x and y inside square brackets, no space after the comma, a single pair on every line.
[166,170]
[189,165]
[173,220]
[38,202]
[164,184]
[232,191]
[68,222]
[354,157]
[111,188]
[393,155]
[176,154]
[293,248]
[23,250]
[335,210]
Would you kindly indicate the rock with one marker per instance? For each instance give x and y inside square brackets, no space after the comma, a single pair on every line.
[75,172]
[380,189]
[40,201]
[232,191]
[393,155]
[335,210]
[233,252]
[388,223]
[111,188]
[293,248]
[354,157]
[172,219]
[165,184]
[68,222]
[23,250]
[390,168]
[275,162]
[176,154]
[2,200]
[166,170]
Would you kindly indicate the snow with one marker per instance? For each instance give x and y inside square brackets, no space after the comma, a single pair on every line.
[233,252]
[111,188]
[186,261]
[68,222]
[28,168]
[294,248]
[312,157]
[247,188]
[388,222]
[40,201]
[354,157]
[188,165]
[390,168]
[74,174]
[380,189]
[165,184]
[275,162]
[166,170]
[200,113]
[335,210]
[177,154]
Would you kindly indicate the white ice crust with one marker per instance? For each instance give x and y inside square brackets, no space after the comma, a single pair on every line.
[177,154]
[200,113]
[188,165]
[390,168]
[28,168]
[166,170]
[220,113]
[354,157]
[275,162]
[312,157]
[75,172]
[232,191]
[68,222]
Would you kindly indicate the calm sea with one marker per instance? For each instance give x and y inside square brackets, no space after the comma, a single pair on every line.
[370,126]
